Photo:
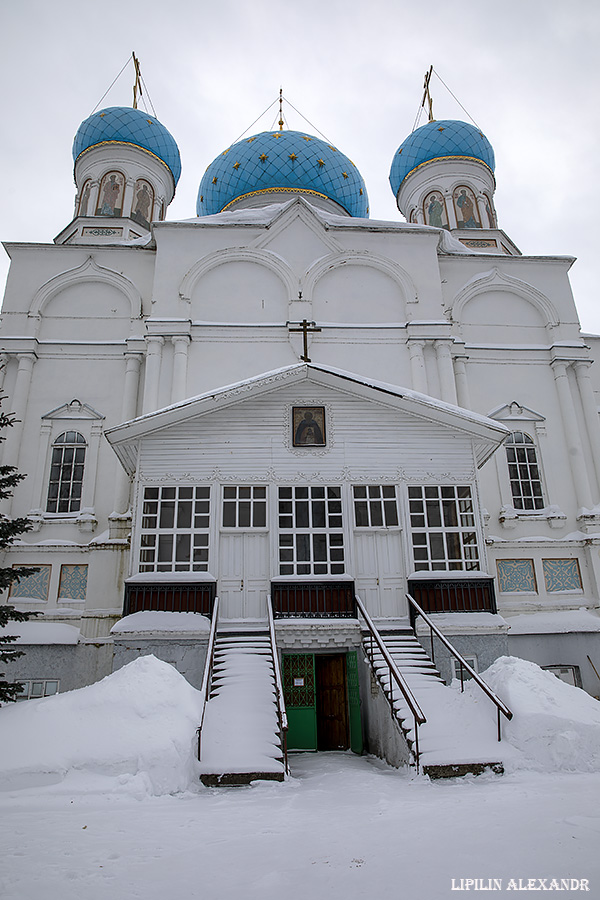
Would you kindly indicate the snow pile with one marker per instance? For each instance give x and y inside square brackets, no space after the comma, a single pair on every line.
[137,724]
[555,726]
[151,620]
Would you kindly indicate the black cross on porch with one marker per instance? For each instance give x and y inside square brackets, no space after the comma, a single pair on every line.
[305,327]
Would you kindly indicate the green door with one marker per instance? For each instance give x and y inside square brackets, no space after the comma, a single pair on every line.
[313,695]
[300,700]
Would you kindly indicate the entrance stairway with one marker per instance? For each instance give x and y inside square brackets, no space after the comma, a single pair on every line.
[453,741]
[240,734]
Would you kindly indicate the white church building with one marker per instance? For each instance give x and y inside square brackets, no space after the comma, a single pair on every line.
[287,405]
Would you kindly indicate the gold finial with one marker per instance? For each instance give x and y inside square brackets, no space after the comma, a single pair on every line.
[280,123]
[427,95]
[137,85]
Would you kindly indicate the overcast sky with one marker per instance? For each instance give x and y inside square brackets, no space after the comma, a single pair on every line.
[527,71]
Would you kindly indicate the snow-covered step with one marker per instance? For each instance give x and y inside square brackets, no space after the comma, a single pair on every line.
[459,736]
[240,737]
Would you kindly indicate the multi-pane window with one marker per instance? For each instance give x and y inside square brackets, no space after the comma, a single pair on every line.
[375,505]
[244,506]
[35,689]
[66,473]
[442,521]
[311,540]
[523,472]
[174,529]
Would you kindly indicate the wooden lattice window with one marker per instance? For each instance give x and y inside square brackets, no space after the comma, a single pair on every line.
[66,473]
[442,521]
[174,529]
[524,472]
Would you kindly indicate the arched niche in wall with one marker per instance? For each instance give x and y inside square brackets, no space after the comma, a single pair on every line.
[360,288]
[86,303]
[494,308]
[239,286]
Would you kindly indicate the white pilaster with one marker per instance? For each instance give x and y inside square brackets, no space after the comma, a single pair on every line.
[590,411]
[128,411]
[462,382]
[154,345]
[576,458]
[181,343]
[417,366]
[445,371]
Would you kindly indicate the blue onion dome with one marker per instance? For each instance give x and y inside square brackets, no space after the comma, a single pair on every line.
[282,161]
[438,140]
[125,125]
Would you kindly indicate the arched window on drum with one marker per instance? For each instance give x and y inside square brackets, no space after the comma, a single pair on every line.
[524,472]
[66,473]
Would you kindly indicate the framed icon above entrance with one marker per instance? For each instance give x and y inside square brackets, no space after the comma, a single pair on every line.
[308,426]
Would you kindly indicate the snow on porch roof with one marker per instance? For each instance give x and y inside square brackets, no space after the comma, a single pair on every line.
[486,433]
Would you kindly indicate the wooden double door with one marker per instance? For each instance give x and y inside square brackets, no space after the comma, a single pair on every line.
[322,701]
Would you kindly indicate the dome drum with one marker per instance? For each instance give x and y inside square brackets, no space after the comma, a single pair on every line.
[463,188]
[117,180]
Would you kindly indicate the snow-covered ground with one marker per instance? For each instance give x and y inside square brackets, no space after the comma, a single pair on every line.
[342,827]
[100,799]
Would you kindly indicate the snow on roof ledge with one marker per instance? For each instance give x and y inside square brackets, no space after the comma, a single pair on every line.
[464,623]
[42,632]
[161,622]
[560,622]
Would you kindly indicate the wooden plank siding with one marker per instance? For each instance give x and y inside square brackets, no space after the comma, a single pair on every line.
[252,439]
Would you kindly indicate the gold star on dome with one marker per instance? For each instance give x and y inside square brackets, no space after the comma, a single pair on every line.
[345,174]
[149,121]
[304,138]
[201,198]
[400,151]
[214,181]
[441,128]
[367,210]
[249,141]
[332,148]
[263,157]
[102,115]
[360,191]
[225,152]
[293,157]
[277,134]
[236,165]
[321,163]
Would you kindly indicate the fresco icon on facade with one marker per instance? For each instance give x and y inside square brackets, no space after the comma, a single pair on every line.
[110,197]
[465,207]
[434,210]
[143,202]
[85,198]
[308,425]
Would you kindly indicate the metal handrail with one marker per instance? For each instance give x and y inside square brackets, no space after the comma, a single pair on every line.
[501,707]
[395,675]
[282,715]
[208,669]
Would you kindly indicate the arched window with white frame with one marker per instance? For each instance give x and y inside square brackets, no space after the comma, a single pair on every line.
[524,472]
[66,473]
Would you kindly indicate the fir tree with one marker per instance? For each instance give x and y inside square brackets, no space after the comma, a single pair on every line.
[10,529]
